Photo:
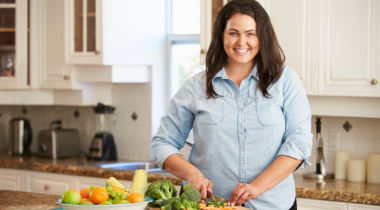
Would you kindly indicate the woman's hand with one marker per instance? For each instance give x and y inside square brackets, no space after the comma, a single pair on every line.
[202,184]
[243,193]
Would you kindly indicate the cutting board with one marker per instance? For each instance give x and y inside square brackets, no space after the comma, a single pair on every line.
[237,208]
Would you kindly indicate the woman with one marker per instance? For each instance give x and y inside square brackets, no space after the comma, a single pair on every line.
[249,114]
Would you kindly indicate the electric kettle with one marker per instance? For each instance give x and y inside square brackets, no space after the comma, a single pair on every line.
[20,136]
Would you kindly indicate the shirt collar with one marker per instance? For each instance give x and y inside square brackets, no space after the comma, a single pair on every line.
[222,74]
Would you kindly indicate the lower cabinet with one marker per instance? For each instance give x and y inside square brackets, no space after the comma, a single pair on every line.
[353,206]
[12,179]
[48,183]
[314,204]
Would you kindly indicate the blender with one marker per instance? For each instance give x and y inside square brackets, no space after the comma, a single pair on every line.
[103,146]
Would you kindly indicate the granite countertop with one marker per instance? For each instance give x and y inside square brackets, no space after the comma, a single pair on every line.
[27,200]
[333,190]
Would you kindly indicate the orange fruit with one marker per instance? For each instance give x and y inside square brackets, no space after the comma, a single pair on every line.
[84,199]
[73,189]
[84,192]
[135,197]
[116,188]
[98,195]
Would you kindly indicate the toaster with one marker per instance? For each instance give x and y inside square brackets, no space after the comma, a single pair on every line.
[58,142]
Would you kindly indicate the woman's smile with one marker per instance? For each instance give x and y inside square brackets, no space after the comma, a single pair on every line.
[241,51]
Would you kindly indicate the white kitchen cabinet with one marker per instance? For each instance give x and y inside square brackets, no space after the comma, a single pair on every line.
[349,62]
[118,32]
[14,57]
[48,183]
[12,179]
[47,61]
[314,204]
[353,206]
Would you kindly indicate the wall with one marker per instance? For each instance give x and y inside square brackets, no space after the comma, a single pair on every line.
[132,137]
[363,138]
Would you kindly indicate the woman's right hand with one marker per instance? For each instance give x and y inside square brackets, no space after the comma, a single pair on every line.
[203,185]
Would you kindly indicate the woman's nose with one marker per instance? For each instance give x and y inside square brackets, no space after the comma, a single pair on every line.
[241,41]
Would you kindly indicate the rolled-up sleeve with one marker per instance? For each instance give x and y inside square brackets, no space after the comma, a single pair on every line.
[298,139]
[175,125]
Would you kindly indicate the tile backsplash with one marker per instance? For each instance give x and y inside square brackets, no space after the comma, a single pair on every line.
[361,139]
[133,136]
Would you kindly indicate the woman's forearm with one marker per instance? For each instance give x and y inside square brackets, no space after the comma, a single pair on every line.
[179,167]
[281,168]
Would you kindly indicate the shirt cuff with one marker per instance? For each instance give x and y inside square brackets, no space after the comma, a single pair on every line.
[164,153]
[294,149]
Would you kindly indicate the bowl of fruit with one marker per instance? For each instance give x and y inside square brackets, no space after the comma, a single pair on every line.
[113,195]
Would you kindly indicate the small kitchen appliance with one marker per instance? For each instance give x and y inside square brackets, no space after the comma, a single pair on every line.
[321,172]
[103,146]
[58,142]
[20,136]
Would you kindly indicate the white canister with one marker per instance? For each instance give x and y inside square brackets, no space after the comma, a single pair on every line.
[341,160]
[357,170]
[373,168]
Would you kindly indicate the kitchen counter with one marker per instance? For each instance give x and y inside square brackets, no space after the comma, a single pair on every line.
[333,190]
[27,200]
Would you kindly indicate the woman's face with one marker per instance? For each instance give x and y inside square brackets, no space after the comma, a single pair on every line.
[240,39]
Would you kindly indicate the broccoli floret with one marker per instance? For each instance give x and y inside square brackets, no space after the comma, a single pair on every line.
[177,205]
[156,203]
[190,193]
[161,190]
[167,207]
[190,205]
[221,203]
[212,202]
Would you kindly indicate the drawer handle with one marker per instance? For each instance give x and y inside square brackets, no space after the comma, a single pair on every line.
[47,187]
[203,51]
[373,81]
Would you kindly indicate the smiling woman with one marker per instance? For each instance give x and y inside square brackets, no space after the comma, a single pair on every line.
[249,114]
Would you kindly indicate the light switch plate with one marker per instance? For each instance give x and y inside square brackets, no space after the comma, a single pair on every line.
[334,138]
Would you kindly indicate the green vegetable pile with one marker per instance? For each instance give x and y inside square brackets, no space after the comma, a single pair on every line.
[214,203]
[164,195]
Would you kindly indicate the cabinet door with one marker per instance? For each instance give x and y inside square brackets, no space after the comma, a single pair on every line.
[14,57]
[83,31]
[314,204]
[47,60]
[350,45]
[209,11]
[295,26]
[12,179]
[353,206]
[48,183]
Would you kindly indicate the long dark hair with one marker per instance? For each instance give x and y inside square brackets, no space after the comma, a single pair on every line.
[269,59]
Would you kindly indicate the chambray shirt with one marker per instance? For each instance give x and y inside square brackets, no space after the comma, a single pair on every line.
[237,136]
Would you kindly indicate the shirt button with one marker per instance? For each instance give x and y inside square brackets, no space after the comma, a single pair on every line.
[242,144]
[243,96]
[241,110]
[241,125]
[242,162]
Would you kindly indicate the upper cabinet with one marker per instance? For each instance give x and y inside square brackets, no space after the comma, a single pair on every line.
[104,32]
[14,44]
[333,45]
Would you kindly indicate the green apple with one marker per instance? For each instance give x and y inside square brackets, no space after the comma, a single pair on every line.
[71,197]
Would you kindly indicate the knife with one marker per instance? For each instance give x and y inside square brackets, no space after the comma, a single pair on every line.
[217,198]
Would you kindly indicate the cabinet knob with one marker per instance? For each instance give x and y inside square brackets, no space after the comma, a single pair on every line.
[47,187]
[66,77]
[97,52]
[203,51]
[373,81]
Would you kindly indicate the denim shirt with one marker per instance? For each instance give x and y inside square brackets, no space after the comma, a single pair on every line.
[238,135]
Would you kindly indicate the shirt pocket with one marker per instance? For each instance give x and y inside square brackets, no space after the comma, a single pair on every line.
[210,111]
[269,110]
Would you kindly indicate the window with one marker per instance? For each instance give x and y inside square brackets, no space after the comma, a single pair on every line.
[184,42]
